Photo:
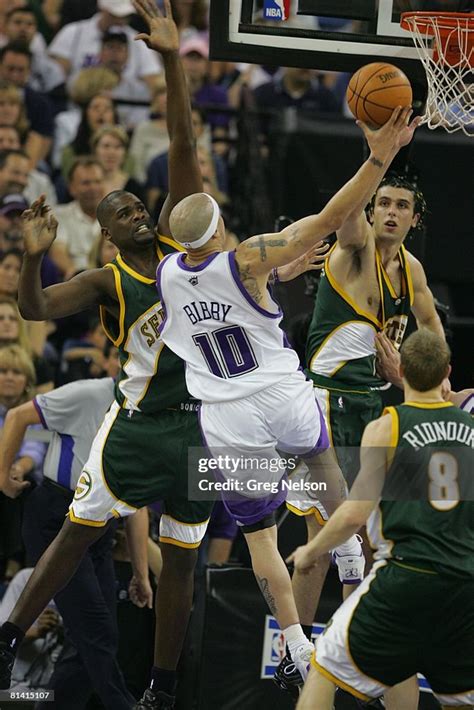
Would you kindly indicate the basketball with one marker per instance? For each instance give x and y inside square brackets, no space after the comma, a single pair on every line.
[375,90]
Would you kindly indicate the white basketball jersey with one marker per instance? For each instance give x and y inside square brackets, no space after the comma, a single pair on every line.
[232,346]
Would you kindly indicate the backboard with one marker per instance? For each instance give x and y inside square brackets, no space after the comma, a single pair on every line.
[337,35]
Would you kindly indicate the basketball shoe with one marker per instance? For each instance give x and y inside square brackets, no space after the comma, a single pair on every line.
[350,567]
[288,678]
[7,659]
[155,701]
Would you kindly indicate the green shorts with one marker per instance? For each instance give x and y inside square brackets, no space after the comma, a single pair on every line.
[400,622]
[346,415]
[138,460]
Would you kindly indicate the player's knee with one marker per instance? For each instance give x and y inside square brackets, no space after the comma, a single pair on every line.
[178,560]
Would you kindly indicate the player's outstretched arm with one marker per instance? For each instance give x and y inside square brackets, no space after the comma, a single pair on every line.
[11,438]
[260,254]
[86,289]
[183,165]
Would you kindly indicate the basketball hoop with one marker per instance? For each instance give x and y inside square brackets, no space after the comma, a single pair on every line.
[445,45]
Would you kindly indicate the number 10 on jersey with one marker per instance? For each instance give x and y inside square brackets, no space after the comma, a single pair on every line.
[227,351]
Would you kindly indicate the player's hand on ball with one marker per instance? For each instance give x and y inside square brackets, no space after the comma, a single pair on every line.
[302,559]
[140,592]
[396,133]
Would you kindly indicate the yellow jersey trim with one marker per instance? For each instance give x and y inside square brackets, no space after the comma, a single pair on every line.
[395,432]
[411,291]
[326,339]
[348,299]
[428,405]
[102,310]
[178,543]
[83,521]
[305,513]
[132,272]
[171,242]
[337,681]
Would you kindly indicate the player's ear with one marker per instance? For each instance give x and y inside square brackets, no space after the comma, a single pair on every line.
[105,233]
[415,220]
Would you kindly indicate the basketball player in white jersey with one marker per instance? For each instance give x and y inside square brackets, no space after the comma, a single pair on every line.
[219,317]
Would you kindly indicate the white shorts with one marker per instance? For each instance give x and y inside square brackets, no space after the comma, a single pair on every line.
[94,503]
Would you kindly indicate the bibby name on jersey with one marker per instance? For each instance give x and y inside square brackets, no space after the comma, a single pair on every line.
[427,433]
[206,310]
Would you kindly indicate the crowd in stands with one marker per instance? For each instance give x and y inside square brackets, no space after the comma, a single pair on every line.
[82,113]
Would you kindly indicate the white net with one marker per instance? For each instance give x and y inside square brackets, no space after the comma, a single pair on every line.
[445,46]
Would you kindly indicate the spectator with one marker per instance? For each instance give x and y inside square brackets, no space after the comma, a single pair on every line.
[38,182]
[109,145]
[191,17]
[78,227]
[10,266]
[78,44]
[11,236]
[150,138]
[27,335]
[195,53]
[17,380]
[83,358]
[15,66]
[21,26]
[114,56]
[298,88]
[99,111]
[102,252]
[14,171]
[157,173]
[5,7]
[34,663]
[12,109]
[88,84]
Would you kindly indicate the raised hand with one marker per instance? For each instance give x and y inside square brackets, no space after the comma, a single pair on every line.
[39,227]
[396,133]
[163,34]
[313,260]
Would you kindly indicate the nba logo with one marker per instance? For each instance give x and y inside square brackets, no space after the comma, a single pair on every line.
[278,10]
[278,647]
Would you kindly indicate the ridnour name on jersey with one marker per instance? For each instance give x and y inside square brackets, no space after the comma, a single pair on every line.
[428,433]
[198,311]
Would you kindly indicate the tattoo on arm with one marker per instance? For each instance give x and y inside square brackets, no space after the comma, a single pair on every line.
[376,162]
[263,243]
[250,282]
[268,596]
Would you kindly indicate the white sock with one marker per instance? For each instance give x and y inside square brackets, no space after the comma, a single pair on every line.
[351,547]
[295,638]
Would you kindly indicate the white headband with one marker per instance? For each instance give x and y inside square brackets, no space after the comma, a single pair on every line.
[210,231]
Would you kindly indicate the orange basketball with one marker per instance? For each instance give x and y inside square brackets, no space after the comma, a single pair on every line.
[375,90]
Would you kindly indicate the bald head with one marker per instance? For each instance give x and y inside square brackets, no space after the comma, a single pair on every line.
[192,218]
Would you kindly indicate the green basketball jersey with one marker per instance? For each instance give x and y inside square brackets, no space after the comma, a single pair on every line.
[340,349]
[425,518]
[151,376]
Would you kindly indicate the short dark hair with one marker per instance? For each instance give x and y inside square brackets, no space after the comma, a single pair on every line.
[24,9]
[106,204]
[16,48]
[425,358]
[83,161]
[5,154]
[404,182]
[13,251]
